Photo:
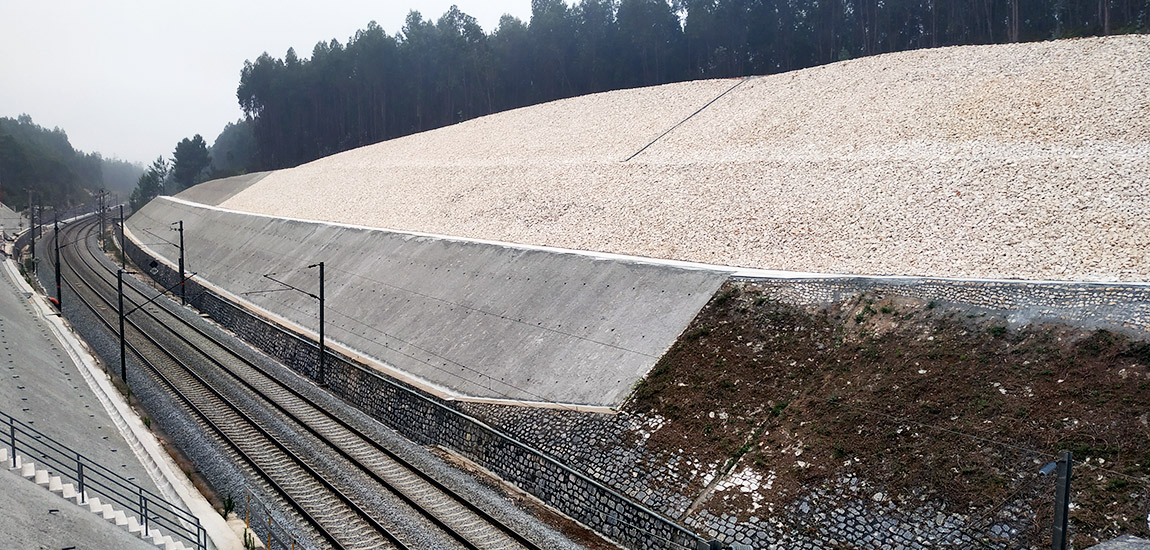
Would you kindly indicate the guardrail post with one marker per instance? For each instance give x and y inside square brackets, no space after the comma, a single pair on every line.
[12,434]
[140,503]
[144,513]
[80,477]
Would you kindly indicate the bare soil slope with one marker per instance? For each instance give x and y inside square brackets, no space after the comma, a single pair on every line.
[921,401]
[1006,161]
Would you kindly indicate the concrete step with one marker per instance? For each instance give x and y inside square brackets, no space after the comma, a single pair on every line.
[119,518]
[68,491]
[154,535]
[108,512]
[162,540]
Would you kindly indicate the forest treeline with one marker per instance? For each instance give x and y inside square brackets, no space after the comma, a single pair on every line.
[42,161]
[380,86]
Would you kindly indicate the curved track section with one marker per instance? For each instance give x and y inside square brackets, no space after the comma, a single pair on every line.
[341,485]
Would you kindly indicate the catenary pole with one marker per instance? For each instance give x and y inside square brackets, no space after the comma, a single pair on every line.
[322,351]
[183,295]
[320,375]
[1062,501]
[32,228]
[123,252]
[120,289]
[56,235]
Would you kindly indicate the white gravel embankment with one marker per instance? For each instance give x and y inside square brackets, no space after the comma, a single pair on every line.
[1014,161]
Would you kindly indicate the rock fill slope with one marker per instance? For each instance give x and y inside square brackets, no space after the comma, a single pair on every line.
[1008,161]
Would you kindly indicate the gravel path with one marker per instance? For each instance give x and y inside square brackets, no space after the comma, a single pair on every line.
[1010,161]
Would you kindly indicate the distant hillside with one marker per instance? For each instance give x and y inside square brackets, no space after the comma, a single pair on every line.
[43,161]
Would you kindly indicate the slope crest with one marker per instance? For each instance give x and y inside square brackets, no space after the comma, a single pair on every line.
[1007,161]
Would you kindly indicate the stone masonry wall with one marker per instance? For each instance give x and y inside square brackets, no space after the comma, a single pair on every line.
[1117,307]
[845,514]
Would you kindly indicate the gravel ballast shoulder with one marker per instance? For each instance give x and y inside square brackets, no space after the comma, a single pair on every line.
[1008,161]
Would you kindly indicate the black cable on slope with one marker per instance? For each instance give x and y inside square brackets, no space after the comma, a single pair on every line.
[680,123]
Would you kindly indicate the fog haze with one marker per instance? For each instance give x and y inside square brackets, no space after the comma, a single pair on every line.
[129,79]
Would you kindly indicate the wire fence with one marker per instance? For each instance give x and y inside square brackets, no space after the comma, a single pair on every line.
[259,520]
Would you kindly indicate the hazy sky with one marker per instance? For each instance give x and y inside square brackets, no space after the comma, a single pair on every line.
[131,78]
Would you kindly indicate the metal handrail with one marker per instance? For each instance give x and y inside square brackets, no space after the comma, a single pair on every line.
[92,478]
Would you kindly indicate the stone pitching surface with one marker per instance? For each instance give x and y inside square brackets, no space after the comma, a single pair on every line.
[1008,161]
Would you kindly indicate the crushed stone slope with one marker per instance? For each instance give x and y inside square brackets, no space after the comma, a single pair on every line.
[1007,161]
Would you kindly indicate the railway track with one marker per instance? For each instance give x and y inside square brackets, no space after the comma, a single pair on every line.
[345,489]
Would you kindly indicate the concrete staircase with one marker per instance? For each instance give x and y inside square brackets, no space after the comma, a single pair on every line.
[43,478]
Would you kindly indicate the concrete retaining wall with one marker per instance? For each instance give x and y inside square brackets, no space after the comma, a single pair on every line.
[216,192]
[461,319]
[429,421]
[11,223]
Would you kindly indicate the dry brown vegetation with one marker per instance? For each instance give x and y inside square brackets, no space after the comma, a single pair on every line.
[918,399]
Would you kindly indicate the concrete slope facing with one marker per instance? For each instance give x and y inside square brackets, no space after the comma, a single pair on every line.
[217,191]
[463,319]
[10,222]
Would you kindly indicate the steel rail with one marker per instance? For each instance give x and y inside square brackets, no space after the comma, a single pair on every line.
[289,416]
[324,532]
[223,437]
[355,432]
[213,394]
